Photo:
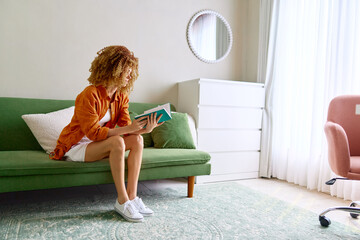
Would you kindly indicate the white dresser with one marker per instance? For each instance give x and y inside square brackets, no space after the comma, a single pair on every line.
[228,117]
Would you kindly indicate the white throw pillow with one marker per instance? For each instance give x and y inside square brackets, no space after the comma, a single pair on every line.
[192,127]
[47,127]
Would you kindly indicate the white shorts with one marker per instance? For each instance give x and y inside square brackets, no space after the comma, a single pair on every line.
[77,153]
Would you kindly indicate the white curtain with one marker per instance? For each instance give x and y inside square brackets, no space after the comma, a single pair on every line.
[313,55]
[266,7]
[204,36]
[222,38]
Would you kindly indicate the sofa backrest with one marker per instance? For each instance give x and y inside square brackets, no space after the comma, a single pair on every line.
[15,134]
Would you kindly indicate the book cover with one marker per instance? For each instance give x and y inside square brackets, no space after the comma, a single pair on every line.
[162,109]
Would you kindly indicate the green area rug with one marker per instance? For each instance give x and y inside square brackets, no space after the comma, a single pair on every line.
[217,211]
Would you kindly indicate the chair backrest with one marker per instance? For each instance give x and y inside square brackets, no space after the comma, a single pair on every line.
[343,111]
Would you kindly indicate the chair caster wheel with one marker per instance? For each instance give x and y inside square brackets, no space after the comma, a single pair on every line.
[353,215]
[324,221]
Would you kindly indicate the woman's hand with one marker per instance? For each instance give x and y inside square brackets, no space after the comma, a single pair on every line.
[152,122]
[138,124]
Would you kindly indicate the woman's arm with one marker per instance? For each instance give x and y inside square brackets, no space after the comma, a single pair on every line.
[136,126]
[88,117]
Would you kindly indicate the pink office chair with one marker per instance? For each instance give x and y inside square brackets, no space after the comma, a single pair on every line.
[342,131]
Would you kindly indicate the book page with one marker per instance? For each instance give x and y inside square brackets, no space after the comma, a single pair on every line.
[165,106]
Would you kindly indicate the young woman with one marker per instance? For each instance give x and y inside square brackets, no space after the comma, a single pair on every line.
[92,136]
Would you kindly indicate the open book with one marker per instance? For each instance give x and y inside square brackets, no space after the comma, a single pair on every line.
[162,109]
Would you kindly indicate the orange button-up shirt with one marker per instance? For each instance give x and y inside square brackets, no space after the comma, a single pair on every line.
[91,105]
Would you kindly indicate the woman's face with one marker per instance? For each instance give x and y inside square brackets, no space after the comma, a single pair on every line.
[128,76]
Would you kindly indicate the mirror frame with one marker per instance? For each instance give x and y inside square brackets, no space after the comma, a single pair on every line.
[191,45]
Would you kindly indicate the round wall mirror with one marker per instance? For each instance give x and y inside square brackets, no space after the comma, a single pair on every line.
[209,36]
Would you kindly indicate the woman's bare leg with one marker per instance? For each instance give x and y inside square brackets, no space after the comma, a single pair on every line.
[134,143]
[114,148]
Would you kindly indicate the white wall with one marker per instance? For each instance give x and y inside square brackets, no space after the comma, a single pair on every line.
[46,47]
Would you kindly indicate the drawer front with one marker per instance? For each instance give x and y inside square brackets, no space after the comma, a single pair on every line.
[228,140]
[234,162]
[229,117]
[231,94]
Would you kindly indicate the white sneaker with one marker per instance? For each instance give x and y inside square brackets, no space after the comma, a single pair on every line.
[128,211]
[144,210]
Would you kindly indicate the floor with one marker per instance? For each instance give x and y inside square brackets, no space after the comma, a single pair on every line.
[294,194]
[313,200]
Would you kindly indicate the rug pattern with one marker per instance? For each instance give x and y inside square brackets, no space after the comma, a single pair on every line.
[217,211]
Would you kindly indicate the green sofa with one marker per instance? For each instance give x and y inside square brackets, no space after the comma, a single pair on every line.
[24,165]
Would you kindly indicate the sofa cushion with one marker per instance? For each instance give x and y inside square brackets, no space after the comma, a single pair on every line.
[174,133]
[47,127]
[18,163]
[14,133]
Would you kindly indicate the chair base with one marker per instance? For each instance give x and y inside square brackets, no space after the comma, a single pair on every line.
[333,180]
[352,209]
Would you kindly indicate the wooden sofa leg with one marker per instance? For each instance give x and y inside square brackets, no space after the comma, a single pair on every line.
[191,183]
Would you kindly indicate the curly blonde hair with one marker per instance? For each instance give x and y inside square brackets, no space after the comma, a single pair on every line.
[110,68]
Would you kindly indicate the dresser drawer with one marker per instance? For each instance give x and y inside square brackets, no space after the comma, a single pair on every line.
[231,94]
[234,162]
[228,140]
[229,117]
